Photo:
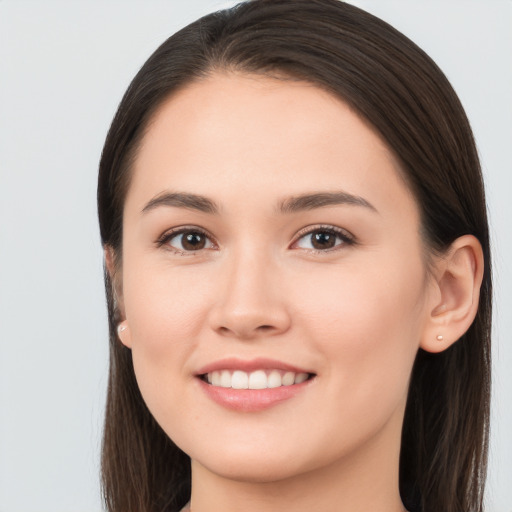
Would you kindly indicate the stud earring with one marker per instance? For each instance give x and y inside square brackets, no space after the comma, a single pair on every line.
[440,337]
[121,328]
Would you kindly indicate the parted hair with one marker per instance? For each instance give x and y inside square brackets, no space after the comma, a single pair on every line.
[391,83]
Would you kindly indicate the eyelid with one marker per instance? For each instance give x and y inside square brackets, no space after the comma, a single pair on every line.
[343,234]
[347,237]
[173,232]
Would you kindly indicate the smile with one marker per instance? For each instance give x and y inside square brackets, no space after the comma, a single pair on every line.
[255,385]
[259,379]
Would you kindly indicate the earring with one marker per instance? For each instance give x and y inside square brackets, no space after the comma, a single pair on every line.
[120,329]
[439,337]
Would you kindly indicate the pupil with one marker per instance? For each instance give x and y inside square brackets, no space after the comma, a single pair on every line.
[193,241]
[323,240]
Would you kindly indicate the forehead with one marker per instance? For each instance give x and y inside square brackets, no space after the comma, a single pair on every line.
[235,135]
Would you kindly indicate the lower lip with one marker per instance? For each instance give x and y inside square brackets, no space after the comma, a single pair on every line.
[252,400]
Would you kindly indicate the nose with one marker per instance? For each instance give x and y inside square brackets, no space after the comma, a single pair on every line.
[252,301]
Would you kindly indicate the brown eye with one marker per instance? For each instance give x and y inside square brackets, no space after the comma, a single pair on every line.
[188,241]
[193,241]
[323,239]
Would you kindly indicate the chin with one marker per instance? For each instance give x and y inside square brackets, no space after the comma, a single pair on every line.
[258,462]
[253,471]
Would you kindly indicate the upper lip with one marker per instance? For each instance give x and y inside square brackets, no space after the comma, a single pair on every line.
[260,363]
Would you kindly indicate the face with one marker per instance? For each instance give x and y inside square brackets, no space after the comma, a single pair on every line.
[269,241]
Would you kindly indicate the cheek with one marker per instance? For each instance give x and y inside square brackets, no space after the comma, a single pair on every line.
[367,325]
[364,297]
[367,320]
[166,313]
[165,308]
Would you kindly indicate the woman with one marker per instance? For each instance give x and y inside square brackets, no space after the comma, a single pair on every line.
[298,272]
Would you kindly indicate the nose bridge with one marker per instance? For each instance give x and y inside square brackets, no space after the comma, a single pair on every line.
[250,303]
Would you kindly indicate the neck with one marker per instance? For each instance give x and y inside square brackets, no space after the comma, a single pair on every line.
[366,479]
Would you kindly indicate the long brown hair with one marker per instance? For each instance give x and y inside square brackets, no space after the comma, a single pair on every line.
[396,87]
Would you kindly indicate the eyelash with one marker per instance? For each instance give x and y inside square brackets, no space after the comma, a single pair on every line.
[346,238]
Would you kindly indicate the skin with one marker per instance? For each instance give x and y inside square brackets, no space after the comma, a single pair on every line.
[355,314]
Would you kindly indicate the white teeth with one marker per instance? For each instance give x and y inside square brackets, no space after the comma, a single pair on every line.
[259,379]
[274,379]
[239,380]
[215,378]
[288,378]
[225,379]
[301,377]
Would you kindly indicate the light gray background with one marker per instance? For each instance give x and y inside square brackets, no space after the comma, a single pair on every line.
[63,69]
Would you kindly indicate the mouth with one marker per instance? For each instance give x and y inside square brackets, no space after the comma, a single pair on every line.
[251,386]
[257,379]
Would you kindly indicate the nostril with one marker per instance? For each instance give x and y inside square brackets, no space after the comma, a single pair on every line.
[247,332]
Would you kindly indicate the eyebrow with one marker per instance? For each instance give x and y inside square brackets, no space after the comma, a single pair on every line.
[182,200]
[321,199]
[308,201]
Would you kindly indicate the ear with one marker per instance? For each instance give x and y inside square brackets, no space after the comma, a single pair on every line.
[453,307]
[117,290]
